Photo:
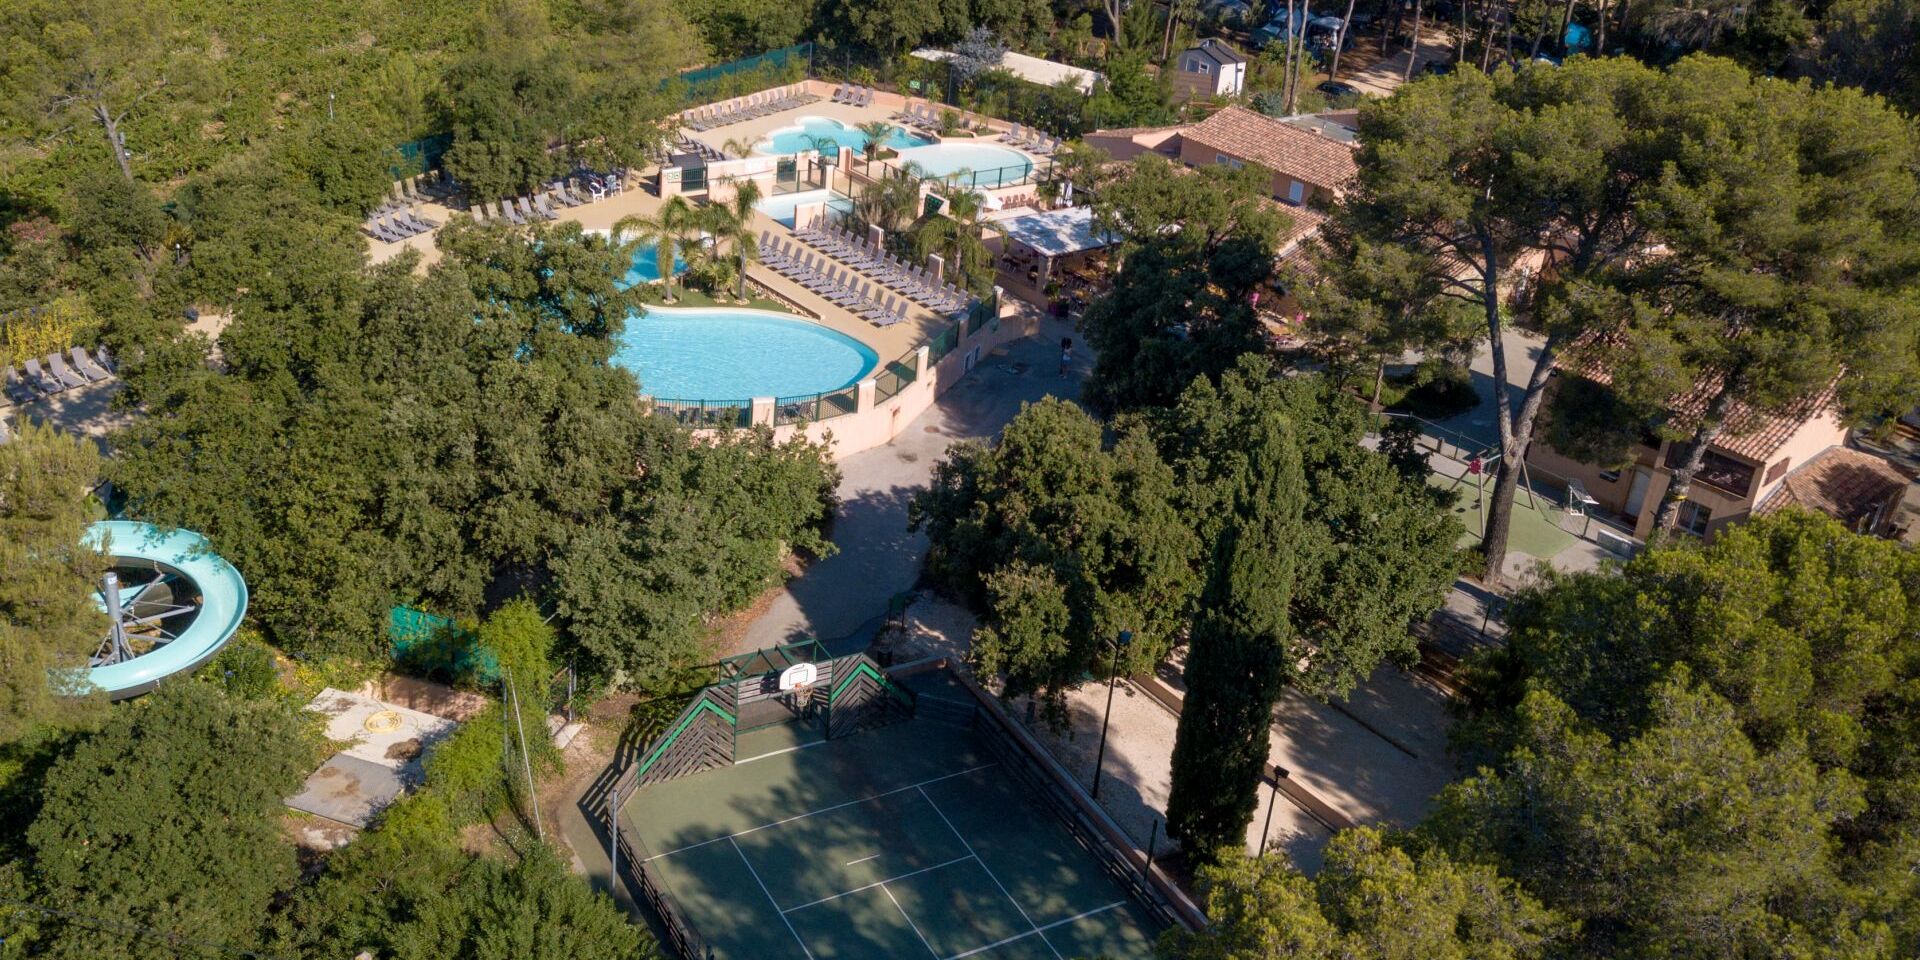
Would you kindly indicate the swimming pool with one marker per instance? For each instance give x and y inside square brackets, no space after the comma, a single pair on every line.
[781,207]
[800,137]
[646,265]
[734,354]
[986,164]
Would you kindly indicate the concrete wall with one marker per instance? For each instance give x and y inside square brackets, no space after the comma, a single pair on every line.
[876,422]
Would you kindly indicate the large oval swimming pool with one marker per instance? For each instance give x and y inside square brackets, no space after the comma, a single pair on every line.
[729,354]
[978,164]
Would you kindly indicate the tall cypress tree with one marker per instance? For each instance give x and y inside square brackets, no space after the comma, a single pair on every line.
[1237,665]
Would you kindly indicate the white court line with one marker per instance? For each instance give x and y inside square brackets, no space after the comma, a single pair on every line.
[775,753]
[770,899]
[878,883]
[803,816]
[851,863]
[910,924]
[996,880]
[1029,933]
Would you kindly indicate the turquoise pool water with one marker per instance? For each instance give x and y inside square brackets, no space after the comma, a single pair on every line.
[781,207]
[735,354]
[798,138]
[986,165]
[646,265]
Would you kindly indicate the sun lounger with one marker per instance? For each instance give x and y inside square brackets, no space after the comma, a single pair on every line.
[545,208]
[510,214]
[381,229]
[40,380]
[1011,136]
[63,373]
[17,389]
[86,366]
[105,359]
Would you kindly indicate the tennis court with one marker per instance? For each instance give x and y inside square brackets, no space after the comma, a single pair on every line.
[913,840]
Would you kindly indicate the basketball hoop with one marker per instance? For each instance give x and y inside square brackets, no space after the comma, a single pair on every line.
[799,678]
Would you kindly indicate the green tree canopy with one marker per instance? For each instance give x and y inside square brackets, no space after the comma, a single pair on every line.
[1062,543]
[49,626]
[167,819]
[1372,899]
[1238,662]
[1198,246]
[1681,840]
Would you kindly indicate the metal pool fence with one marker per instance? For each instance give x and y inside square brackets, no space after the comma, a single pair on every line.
[815,407]
[943,343]
[897,376]
[701,414]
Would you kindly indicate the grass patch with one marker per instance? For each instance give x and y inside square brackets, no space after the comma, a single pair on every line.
[695,298]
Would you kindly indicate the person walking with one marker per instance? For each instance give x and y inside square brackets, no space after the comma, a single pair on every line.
[1066,356]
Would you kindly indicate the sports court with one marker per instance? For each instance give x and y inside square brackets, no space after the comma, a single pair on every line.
[916,839]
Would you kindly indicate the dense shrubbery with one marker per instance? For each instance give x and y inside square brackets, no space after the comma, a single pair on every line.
[431,434]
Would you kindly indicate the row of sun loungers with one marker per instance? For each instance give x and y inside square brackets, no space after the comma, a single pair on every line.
[853,96]
[398,226]
[916,282]
[1031,140]
[422,188]
[920,116]
[701,150]
[834,282]
[46,376]
[749,108]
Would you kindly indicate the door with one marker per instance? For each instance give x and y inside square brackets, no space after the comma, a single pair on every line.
[1637,494]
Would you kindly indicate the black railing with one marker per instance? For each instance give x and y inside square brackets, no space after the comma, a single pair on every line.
[704,414]
[815,407]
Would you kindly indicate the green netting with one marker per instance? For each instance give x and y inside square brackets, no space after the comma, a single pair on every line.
[430,643]
[419,156]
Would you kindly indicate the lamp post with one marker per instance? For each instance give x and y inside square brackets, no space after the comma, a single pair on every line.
[1272,801]
[1119,643]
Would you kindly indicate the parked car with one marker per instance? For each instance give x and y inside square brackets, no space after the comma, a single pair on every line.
[1339,91]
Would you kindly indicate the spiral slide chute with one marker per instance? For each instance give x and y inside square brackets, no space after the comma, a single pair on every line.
[172,601]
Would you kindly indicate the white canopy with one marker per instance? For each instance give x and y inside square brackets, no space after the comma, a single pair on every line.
[1057,232]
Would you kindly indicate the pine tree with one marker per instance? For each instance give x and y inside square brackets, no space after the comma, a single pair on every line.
[1237,665]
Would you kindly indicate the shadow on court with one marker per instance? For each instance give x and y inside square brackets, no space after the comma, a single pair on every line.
[906,841]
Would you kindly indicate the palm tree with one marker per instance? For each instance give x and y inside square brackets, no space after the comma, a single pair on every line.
[954,233]
[668,230]
[876,132]
[732,223]
[892,201]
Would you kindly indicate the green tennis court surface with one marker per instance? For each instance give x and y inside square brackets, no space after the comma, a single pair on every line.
[903,842]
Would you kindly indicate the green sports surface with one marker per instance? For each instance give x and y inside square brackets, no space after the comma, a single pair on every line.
[903,842]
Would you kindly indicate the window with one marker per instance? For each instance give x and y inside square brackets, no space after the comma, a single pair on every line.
[1610,476]
[1197,65]
[1226,161]
[1296,192]
[1694,518]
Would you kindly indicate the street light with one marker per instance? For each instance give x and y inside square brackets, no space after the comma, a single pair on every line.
[1273,801]
[1119,643]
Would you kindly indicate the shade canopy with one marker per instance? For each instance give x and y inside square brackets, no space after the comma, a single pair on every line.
[1057,232]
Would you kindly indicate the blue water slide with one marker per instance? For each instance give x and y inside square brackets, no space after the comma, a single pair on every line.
[177,554]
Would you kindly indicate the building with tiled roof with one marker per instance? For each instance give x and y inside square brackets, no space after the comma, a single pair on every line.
[1308,166]
[1750,462]
[1857,488]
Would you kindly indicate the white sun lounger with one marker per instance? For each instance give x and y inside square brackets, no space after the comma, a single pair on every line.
[86,366]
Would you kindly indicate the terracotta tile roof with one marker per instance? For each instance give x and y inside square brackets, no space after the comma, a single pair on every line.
[1750,433]
[1843,483]
[1280,147]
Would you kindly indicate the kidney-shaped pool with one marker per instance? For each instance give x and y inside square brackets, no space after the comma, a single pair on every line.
[728,354]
